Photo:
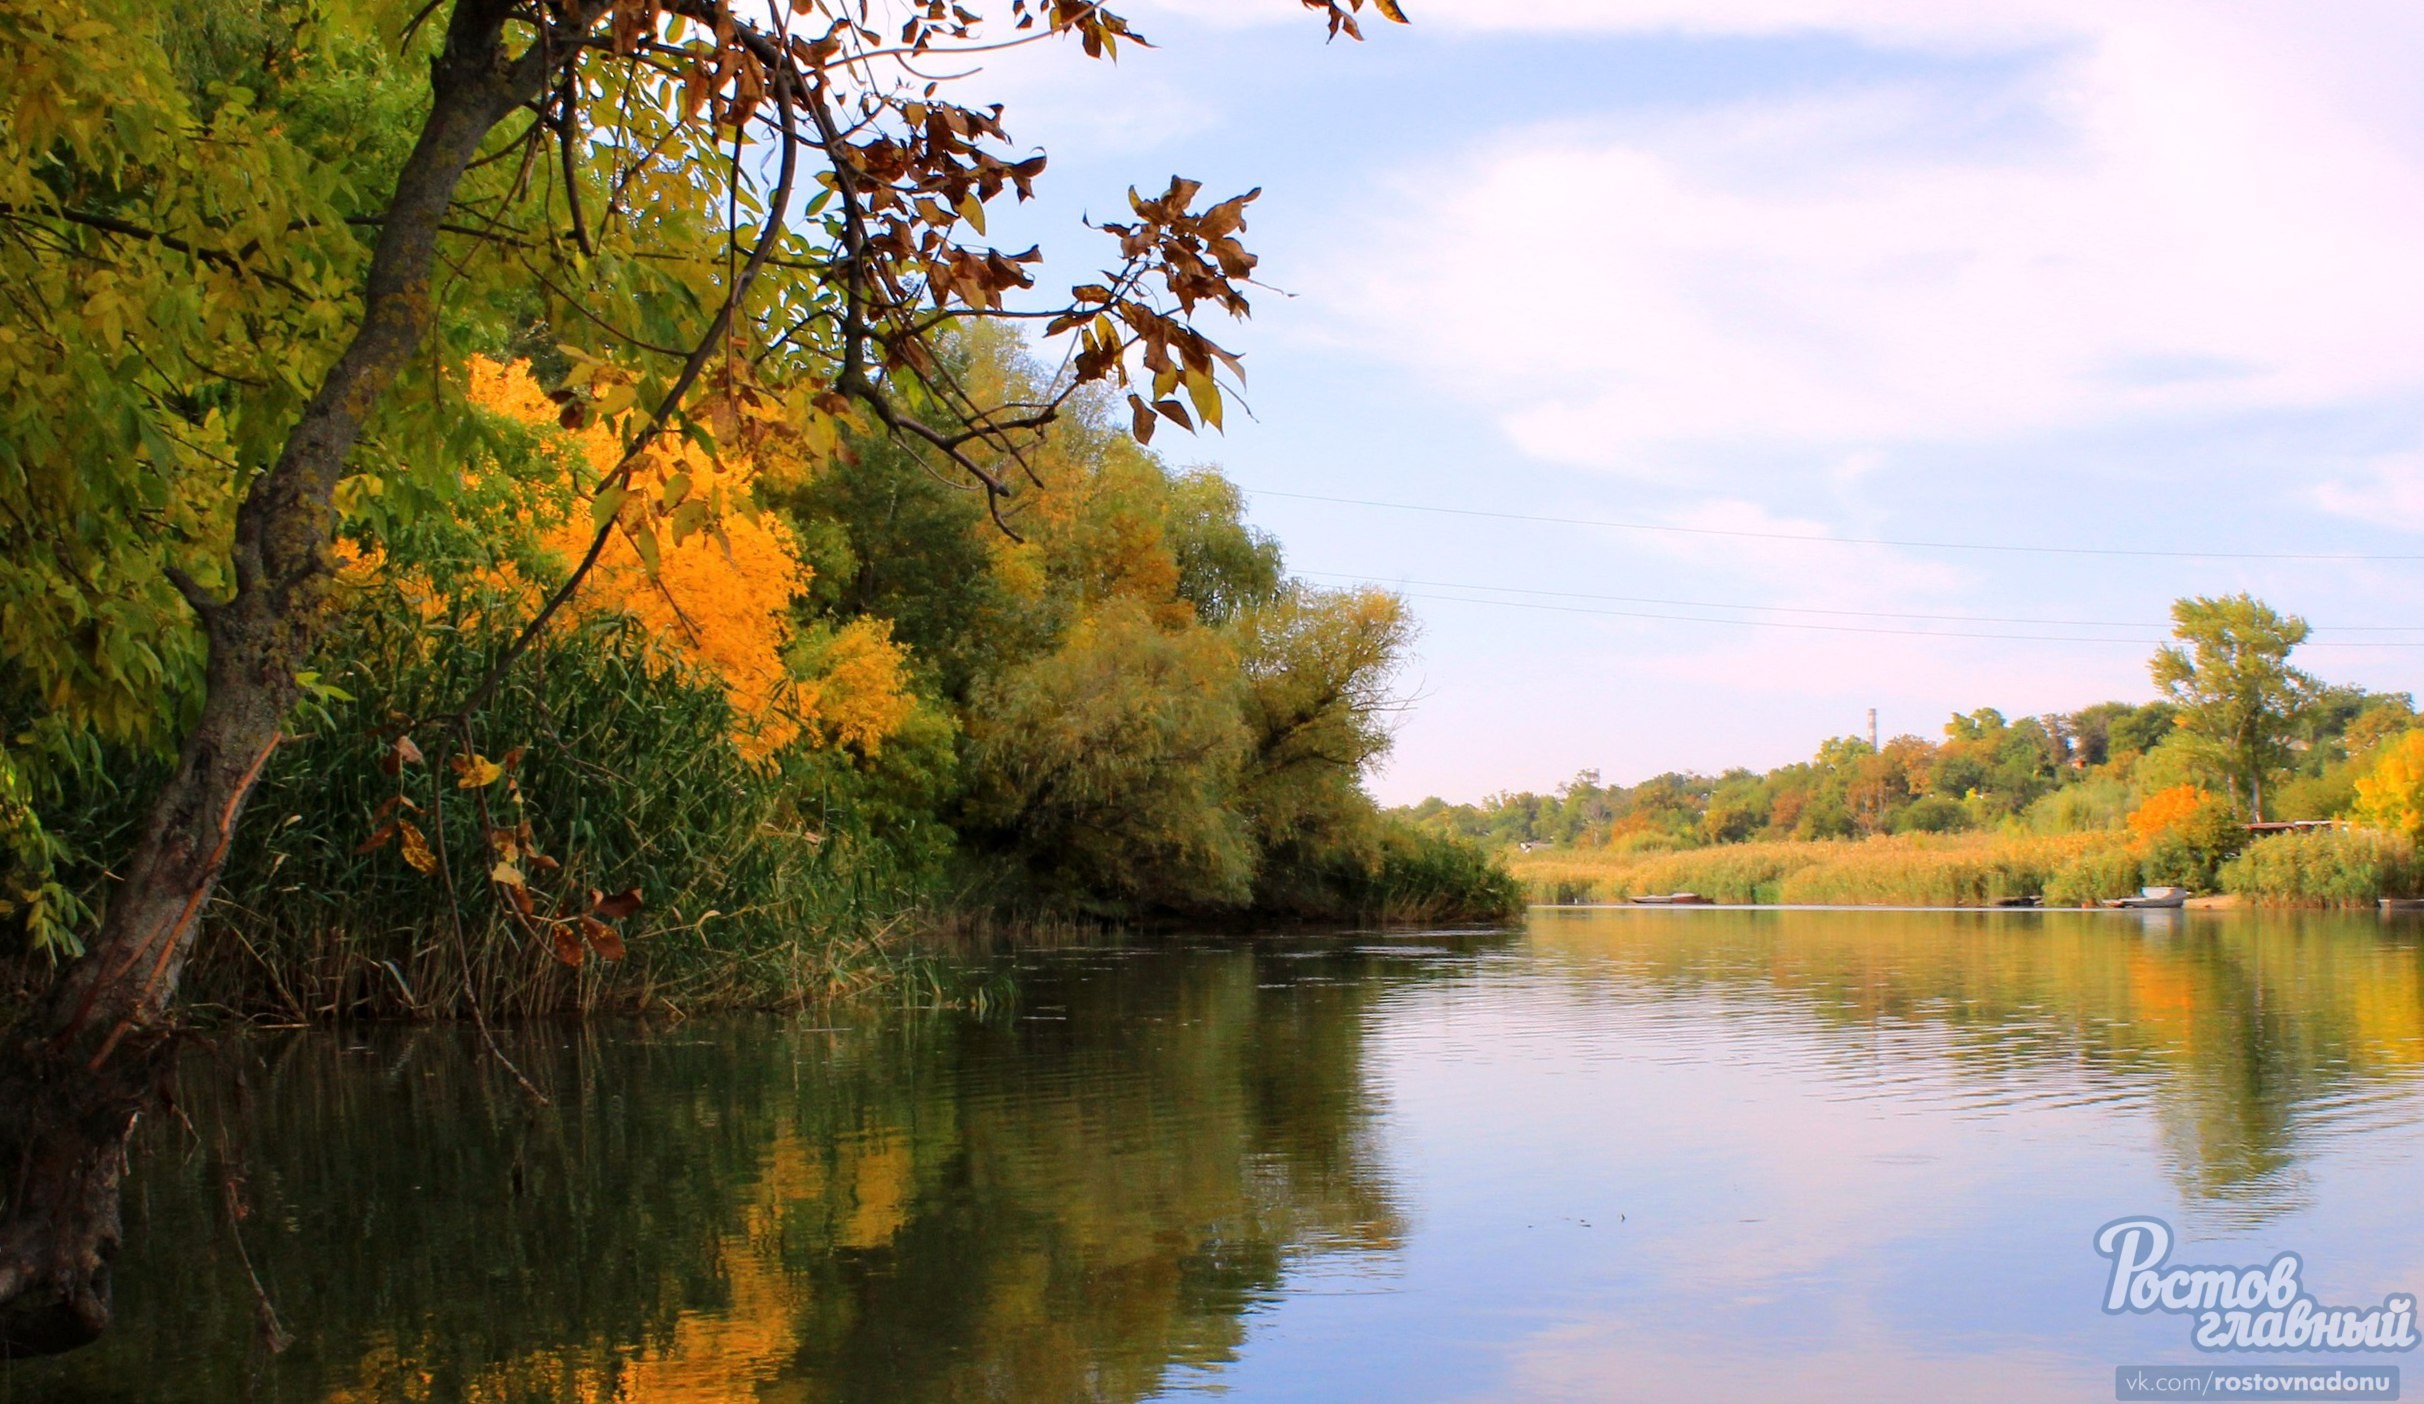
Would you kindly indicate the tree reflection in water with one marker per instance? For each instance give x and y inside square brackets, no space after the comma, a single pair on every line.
[1064,1200]
[2239,1029]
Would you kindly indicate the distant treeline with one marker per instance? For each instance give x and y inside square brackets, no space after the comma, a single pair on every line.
[2059,773]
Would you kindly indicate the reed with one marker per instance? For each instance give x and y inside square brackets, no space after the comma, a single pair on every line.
[1888,870]
[629,778]
[2346,867]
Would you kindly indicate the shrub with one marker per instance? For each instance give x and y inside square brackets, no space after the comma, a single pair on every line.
[1932,814]
[2093,876]
[2098,802]
[1429,877]
[2183,835]
[2331,868]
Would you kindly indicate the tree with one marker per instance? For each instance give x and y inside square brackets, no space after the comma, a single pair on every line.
[2236,692]
[248,251]
[2390,795]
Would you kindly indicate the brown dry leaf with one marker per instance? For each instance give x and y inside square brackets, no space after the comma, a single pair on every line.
[568,947]
[621,904]
[609,942]
[405,752]
[377,840]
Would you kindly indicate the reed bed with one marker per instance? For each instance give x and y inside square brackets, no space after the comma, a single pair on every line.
[628,779]
[1894,870]
[2349,867]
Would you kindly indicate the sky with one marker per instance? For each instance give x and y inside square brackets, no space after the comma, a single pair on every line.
[1655,318]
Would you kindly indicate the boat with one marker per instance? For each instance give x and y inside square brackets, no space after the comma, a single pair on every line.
[1670,899]
[2151,898]
[2402,904]
[2019,902]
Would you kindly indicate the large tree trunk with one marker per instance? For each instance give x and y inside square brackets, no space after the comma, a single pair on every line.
[79,1071]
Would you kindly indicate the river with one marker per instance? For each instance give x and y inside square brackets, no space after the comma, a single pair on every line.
[1618,1155]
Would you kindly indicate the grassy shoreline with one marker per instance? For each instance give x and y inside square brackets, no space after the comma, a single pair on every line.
[2349,868]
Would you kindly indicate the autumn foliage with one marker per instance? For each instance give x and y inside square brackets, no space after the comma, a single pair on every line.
[2168,810]
[2391,795]
[716,586]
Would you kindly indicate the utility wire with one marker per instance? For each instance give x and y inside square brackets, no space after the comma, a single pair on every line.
[1835,540]
[1806,609]
[1839,628]
[1787,623]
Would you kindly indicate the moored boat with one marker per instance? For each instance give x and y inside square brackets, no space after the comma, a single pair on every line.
[1670,899]
[2151,897]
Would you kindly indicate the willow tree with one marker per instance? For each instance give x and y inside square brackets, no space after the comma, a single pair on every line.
[246,251]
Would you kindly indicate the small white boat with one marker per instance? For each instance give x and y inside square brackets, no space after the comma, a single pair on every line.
[1670,899]
[2154,897]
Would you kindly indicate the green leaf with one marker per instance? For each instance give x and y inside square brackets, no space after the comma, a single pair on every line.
[607,504]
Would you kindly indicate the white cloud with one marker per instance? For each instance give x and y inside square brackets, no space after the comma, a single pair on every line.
[2390,493]
[2172,216]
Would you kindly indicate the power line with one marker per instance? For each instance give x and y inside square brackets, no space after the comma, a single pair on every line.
[1809,609]
[1785,623]
[1839,628]
[1815,539]
[1719,604]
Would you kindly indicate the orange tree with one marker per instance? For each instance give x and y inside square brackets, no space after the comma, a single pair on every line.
[249,249]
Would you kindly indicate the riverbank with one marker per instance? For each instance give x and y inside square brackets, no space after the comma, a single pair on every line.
[2343,869]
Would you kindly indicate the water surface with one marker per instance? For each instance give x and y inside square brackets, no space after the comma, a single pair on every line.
[1622,1155]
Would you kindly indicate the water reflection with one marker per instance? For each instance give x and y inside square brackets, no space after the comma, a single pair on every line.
[2243,1034]
[1065,1201]
[1630,1154]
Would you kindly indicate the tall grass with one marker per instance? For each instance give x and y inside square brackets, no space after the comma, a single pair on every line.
[2347,867]
[628,778]
[1431,878]
[1897,870]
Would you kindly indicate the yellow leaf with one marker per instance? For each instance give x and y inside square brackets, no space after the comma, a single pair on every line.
[475,771]
[416,848]
[1205,393]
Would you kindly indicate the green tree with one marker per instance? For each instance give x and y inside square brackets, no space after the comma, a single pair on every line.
[2229,674]
[1105,768]
[225,333]
[1318,667]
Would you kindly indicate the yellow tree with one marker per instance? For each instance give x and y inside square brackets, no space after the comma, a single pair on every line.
[2391,795]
